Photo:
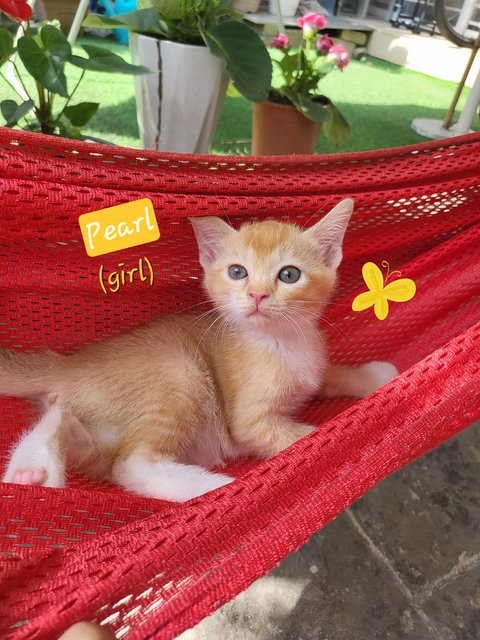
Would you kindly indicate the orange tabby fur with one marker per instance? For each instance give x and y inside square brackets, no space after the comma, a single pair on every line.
[154,408]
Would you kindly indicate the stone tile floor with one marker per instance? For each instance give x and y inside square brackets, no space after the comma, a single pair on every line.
[403,563]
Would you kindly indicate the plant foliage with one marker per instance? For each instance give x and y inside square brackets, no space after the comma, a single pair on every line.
[212,23]
[299,72]
[45,52]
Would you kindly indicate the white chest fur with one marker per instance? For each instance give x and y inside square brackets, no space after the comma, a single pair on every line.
[300,356]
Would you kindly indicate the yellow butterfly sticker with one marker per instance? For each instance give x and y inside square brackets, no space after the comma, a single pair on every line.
[381,291]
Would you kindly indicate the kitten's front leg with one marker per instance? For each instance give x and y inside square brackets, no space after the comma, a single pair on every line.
[356,381]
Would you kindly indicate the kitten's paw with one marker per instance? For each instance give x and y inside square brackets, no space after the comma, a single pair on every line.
[374,375]
[45,472]
[29,476]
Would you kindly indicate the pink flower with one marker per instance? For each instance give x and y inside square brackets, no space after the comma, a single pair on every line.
[315,19]
[311,23]
[324,44]
[280,41]
[340,55]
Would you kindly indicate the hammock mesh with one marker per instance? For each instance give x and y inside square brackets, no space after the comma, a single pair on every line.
[148,568]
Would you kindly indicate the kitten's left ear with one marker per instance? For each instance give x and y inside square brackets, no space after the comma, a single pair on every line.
[210,233]
[329,231]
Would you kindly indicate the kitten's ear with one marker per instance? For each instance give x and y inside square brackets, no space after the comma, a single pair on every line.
[329,231]
[210,233]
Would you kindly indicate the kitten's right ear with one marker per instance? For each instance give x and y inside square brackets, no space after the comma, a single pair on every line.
[210,233]
[329,231]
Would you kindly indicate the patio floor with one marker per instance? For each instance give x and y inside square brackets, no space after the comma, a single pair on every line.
[403,563]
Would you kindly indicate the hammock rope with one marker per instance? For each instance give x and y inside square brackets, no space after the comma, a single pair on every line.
[151,569]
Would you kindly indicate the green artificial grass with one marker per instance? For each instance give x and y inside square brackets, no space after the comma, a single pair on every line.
[378,99]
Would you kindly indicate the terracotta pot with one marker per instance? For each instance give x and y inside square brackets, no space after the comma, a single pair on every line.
[279,129]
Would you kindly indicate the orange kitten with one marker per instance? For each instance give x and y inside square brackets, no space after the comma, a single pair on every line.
[154,408]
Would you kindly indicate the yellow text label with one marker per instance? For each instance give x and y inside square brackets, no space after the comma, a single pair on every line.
[120,227]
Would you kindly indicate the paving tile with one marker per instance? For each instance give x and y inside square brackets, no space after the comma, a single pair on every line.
[426,516]
[401,564]
[332,589]
[455,609]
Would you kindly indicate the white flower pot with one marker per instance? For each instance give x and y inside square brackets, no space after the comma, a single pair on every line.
[288,8]
[179,103]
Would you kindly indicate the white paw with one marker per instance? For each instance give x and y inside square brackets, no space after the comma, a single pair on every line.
[28,476]
[374,375]
[38,465]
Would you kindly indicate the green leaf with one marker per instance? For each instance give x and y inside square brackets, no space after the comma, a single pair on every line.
[171,9]
[246,58]
[141,21]
[66,129]
[7,48]
[103,60]
[232,92]
[316,111]
[337,128]
[13,112]
[289,66]
[55,44]
[80,114]
[46,68]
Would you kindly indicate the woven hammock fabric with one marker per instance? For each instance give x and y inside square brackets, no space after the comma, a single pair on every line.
[148,568]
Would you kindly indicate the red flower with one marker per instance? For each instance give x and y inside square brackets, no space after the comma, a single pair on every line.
[324,44]
[280,41]
[17,10]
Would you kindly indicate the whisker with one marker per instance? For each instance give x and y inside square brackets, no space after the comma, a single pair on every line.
[294,323]
[192,306]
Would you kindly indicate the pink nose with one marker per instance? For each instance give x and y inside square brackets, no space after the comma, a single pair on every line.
[258,297]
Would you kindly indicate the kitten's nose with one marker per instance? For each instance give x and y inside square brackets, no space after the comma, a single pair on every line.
[258,296]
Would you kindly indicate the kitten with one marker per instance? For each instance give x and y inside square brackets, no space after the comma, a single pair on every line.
[153,409]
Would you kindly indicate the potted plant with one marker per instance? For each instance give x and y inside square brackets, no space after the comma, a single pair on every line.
[291,119]
[192,48]
[45,102]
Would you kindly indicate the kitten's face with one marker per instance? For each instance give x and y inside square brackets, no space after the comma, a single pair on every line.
[268,273]
[271,274]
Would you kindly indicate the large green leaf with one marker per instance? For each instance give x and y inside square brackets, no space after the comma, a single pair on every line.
[7,48]
[80,114]
[13,112]
[102,60]
[316,111]
[246,58]
[55,44]
[321,110]
[141,21]
[45,67]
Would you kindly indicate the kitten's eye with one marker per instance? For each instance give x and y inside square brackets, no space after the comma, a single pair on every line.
[289,275]
[237,272]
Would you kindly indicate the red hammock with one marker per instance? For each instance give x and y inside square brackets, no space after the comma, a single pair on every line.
[150,569]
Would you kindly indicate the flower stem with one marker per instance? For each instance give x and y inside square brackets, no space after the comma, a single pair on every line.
[71,95]
[20,80]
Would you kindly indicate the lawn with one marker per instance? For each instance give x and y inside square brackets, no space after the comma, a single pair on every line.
[378,99]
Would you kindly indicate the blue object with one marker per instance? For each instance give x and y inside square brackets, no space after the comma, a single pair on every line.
[116,8]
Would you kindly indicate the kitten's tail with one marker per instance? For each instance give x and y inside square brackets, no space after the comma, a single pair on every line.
[29,375]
